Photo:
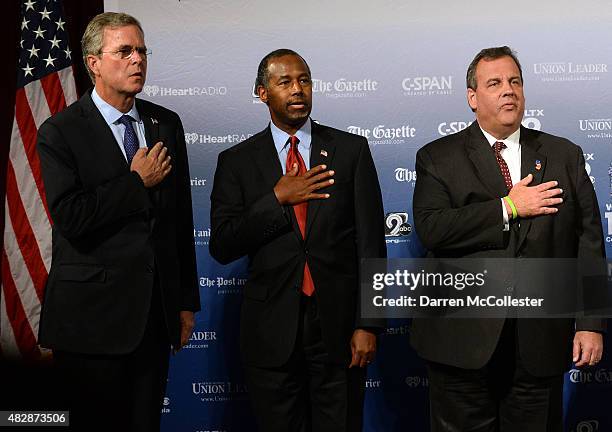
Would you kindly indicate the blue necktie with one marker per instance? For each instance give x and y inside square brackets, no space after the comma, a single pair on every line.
[130,141]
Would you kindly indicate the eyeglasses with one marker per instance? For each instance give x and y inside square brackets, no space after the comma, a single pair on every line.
[126,53]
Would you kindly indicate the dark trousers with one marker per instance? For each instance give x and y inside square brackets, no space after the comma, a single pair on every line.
[118,392]
[501,397]
[308,393]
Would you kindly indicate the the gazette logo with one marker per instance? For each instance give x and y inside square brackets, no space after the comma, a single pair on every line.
[382,134]
[569,71]
[405,175]
[596,376]
[596,128]
[345,88]
[192,138]
[155,90]
[428,85]
[340,88]
[397,227]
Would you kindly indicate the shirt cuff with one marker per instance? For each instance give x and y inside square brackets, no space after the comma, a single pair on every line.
[505,215]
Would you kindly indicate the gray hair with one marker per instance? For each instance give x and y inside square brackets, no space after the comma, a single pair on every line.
[91,43]
[490,54]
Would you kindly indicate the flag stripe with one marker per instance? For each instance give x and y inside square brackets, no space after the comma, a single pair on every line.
[66,76]
[27,130]
[34,204]
[24,236]
[21,278]
[8,343]
[37,102]
[26,340]
[52,88]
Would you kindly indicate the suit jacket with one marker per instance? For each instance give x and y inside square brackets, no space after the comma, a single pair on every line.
[458,213]
[247,219]
[114,241]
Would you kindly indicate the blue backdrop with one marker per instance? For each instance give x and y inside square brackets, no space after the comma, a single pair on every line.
[393,71]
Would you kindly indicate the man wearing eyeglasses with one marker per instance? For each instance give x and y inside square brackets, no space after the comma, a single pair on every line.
[122,290]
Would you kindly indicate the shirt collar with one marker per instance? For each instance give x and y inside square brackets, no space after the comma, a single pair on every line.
[512,142]
[110,113]
[280,137]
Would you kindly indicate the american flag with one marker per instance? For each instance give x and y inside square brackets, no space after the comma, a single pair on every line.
[45,85]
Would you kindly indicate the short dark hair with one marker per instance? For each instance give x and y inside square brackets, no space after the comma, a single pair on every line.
[262,71]
[490,54]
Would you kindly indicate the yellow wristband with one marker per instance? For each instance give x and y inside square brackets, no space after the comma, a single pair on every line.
[512,206]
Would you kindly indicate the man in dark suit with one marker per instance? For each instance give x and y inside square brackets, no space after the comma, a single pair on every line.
[123,286]
[499,190]
[303,202]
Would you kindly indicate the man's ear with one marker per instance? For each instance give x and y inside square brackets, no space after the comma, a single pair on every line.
[471,99]
[262,93]
[94,64]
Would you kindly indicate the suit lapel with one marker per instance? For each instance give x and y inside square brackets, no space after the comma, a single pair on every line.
[322,150]
[151,127]
[102,139]
[149,134]
[151,124]
[483,157]
[533,163]
[266,159]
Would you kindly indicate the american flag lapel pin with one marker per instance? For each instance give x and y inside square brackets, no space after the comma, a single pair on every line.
[538,165]
[324,153]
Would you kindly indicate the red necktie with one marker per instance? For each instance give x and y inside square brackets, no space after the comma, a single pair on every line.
[300,210]
[503,166]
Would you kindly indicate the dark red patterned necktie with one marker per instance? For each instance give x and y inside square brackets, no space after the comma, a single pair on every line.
[503,166]
[300,210]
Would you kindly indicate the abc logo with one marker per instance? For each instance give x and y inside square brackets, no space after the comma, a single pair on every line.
[396,224]
[587,426]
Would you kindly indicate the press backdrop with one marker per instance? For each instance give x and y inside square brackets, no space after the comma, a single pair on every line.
[393,71]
